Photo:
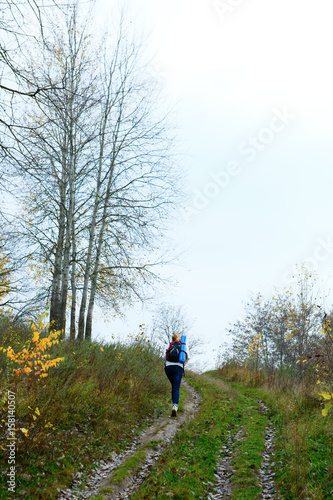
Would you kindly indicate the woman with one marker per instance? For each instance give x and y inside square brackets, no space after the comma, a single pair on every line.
[174,371]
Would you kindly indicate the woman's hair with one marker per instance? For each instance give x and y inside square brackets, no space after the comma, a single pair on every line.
[176,337]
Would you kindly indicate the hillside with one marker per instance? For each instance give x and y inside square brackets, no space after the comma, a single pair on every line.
[98,426]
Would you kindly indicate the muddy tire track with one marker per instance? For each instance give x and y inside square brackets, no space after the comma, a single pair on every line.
[161,432]
[265,472]
[224,470]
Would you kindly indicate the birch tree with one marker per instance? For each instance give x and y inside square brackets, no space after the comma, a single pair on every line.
[137,185]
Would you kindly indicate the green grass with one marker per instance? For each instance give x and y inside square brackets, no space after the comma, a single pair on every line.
[248,459]
[130,465]
[97,402]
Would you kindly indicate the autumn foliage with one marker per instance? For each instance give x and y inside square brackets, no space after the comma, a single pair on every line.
[34,359]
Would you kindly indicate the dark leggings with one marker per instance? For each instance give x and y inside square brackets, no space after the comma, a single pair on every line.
[174,374]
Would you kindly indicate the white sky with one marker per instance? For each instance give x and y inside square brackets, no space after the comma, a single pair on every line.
[229,68]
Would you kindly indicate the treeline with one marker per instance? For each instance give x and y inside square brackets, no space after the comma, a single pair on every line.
[86,163]
[288,332]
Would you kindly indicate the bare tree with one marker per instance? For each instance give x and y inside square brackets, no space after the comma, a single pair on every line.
[52,157]
[169,320]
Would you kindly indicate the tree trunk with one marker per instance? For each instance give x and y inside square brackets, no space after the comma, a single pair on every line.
[55,309]
[90,246]
[88,331]
[72,330]
[82,331]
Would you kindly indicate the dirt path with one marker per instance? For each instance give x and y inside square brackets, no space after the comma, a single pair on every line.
[159,434]
[105,483]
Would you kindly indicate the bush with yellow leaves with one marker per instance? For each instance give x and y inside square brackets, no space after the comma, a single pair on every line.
[33,360]
[28,365]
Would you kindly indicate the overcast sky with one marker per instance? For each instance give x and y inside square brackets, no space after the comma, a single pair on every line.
[253,81]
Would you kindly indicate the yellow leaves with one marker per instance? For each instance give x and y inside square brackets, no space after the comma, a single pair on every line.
[325,395]
[328,397]
[37,412]
[34,358]
[102,349]
[25,431]
[35,337]
[326,409]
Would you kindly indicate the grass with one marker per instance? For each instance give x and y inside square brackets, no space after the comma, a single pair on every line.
[96,402]
[130,465]
[247,460]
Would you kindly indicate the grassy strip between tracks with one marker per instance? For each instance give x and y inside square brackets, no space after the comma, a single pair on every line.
[186,469]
